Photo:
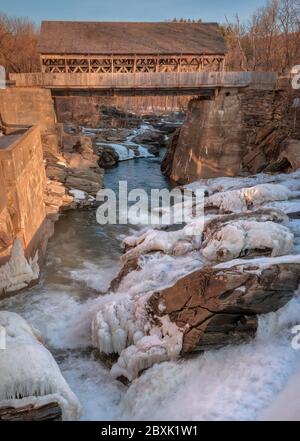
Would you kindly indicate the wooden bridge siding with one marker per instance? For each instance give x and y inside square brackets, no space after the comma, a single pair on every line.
[130,63]
[143,80]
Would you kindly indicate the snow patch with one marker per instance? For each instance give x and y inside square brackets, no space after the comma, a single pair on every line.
[79,195]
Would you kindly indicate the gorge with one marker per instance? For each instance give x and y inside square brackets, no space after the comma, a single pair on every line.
[148,320]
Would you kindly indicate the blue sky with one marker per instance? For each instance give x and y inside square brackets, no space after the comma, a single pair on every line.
[128,10]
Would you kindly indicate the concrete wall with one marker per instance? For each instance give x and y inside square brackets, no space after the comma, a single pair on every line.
[26,107]
[23,180]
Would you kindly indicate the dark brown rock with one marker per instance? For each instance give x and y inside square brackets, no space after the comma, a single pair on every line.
[130,265]
[150,137]
[167,162]
[108,157]
[216,307]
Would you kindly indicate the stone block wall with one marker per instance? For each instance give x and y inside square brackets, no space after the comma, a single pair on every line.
[21,106]
[23,181]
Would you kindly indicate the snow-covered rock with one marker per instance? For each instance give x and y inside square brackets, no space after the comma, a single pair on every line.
[28,371]
[177,243]
[235,201]
[245,237]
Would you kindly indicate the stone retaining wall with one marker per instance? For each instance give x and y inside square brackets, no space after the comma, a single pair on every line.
[23,181]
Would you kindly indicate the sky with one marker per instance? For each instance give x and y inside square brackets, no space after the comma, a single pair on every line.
[129,10]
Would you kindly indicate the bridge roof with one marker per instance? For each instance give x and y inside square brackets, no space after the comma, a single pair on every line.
[106,38]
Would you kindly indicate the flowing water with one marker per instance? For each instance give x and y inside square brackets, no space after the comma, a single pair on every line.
[82,259]
[233,383]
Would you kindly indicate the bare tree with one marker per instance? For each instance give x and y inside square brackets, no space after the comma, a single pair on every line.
[269,41]
[18,44]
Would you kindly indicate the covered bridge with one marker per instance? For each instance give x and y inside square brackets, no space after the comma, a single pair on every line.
[125,47]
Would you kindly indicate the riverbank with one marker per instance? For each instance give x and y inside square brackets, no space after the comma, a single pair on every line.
[235,382]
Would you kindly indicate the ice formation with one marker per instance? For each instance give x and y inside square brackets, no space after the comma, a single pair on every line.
[123,328]
[29,373]
[18,272]
[163,343]
[243,237]
[235,201]
[176,243]
[115,325]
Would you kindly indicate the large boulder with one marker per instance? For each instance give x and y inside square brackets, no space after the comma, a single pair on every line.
[108,157]
[219,306]
[150,137]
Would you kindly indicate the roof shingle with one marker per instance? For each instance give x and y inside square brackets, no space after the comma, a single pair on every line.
[103,38]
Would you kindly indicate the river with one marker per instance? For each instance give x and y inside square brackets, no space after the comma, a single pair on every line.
[233,383]
[82,259]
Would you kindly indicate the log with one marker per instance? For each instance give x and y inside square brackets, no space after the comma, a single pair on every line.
[31,412]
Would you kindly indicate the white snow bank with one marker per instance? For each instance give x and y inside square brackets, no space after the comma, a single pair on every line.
[288,207]
[18,272]
[240,237]
[236,201]
[222,184]
[28,371]
[158,271]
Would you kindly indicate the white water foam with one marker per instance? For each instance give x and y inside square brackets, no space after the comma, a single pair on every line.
[128,150]
[234,383]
